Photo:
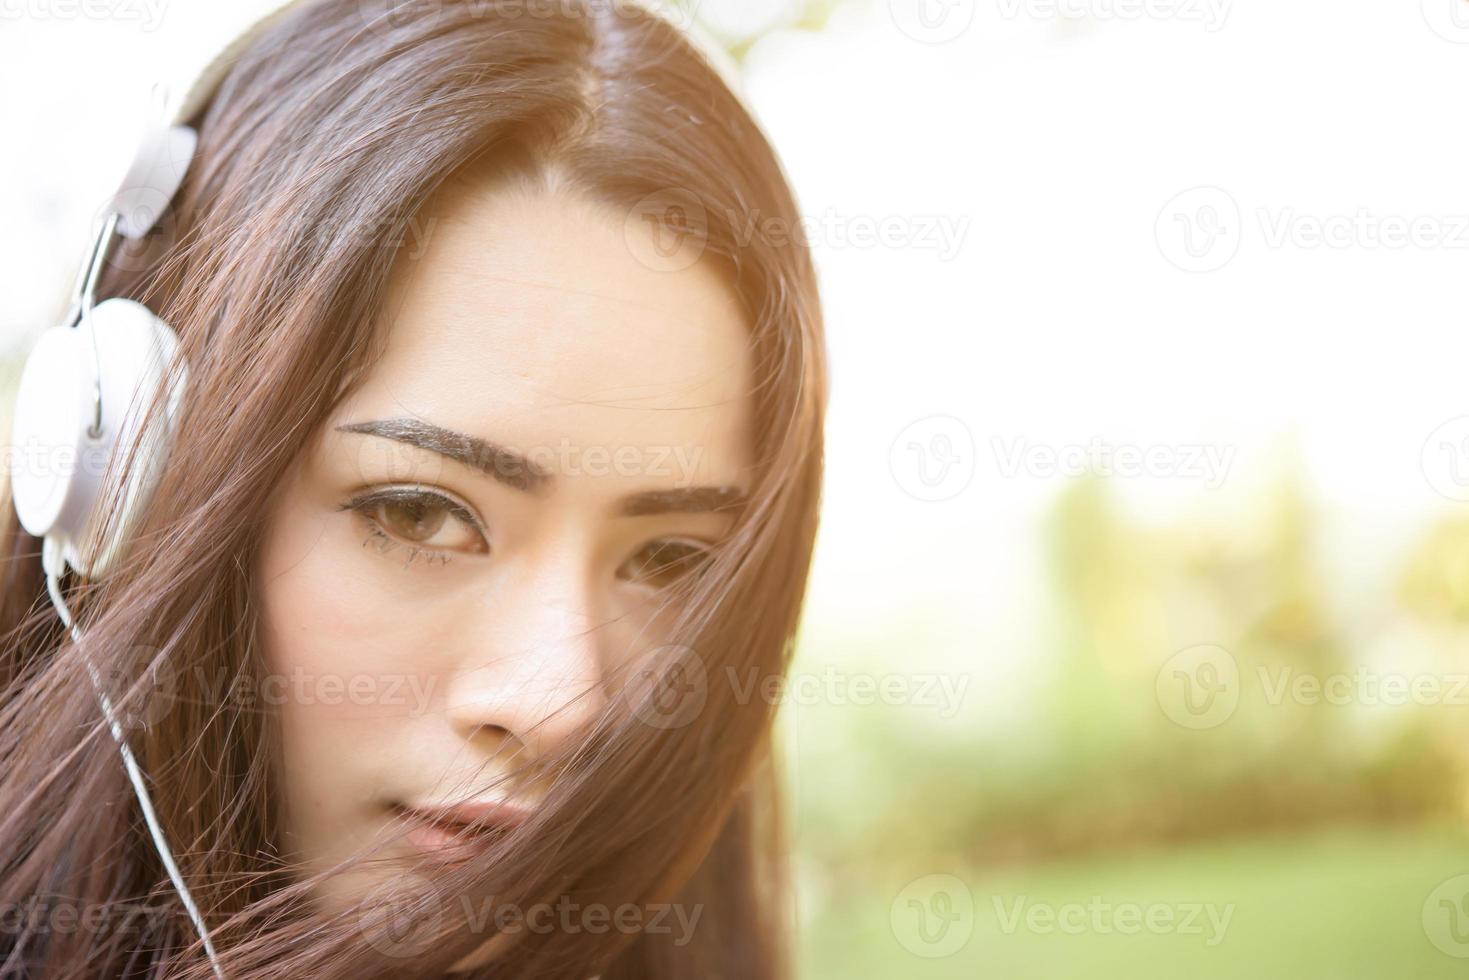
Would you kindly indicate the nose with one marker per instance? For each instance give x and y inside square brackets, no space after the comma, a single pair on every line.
[530,679]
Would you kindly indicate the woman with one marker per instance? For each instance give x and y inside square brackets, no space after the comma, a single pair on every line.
[487,519]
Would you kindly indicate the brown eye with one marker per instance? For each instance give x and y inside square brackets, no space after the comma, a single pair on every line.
[663,562]
[424,520]
[413,520]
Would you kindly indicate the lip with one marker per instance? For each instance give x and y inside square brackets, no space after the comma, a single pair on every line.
[456,833]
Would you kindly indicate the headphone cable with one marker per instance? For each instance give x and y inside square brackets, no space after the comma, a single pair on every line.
[53,564]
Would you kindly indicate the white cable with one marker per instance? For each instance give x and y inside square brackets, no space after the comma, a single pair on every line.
[135,775]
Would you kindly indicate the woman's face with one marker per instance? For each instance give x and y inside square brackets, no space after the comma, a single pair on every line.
[457,574]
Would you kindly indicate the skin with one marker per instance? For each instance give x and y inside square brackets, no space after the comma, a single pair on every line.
[531,318]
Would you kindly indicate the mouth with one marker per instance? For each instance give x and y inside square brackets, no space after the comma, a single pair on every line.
[455,834]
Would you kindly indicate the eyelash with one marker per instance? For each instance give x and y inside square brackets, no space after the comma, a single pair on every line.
[695,555]
[690,555]
[366,504]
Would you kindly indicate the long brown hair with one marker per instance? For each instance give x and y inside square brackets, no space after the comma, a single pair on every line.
[320,146]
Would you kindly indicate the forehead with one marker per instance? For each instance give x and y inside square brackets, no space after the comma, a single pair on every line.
[527,317]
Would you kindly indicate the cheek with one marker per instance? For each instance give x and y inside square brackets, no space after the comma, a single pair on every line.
[349,671]
[640,632]
[338,641]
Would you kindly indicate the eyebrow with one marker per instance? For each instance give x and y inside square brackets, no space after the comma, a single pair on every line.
[505,465]
[519,472]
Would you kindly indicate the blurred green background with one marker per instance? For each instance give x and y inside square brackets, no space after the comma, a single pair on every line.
[1318,827]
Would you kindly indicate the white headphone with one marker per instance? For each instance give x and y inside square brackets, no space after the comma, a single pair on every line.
[76,423]
[71,417]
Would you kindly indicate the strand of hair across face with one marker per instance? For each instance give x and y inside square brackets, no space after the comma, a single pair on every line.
[135,774]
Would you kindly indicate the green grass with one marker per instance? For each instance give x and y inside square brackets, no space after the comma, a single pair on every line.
[1345,905]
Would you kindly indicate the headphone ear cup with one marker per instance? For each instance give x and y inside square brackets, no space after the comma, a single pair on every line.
[63,474]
